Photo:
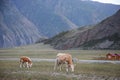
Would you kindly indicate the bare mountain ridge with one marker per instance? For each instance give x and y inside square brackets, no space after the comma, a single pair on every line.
[54,16]
[15,29]
[22,23]
[104,35]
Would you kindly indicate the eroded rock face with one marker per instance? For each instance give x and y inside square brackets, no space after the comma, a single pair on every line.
[105,35]
[54,16]
[15,29]
[22,23]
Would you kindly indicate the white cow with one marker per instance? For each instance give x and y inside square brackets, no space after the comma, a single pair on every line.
[63,58]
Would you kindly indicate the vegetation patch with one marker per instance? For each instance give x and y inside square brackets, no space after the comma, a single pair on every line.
[43,70]
[10,70]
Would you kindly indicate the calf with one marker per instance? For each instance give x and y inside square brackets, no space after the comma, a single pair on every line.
[24,60]
[63,58]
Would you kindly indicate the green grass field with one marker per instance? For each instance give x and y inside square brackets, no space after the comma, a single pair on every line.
[9,70]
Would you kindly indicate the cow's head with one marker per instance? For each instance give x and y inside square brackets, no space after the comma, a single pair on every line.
[30,65]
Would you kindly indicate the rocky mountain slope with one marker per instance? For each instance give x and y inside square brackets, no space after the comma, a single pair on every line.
[55,16]
[15,29]
[104,35]
[24,22]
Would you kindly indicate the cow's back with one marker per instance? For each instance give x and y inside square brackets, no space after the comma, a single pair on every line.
[64,57]
[25,59]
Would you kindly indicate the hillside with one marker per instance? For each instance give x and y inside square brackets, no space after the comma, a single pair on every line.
[104,35]
[54,16]
[15,29]
[25,22]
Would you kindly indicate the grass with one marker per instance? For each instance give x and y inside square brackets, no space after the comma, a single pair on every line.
[99,69]
[80,54]
[9,70]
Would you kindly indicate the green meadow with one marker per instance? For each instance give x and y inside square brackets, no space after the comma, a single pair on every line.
[43,70]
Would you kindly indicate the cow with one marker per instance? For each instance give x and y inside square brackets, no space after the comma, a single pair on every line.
[25,62]
[64,58]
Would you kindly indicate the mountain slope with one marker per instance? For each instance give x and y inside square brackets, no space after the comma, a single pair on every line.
[24,22]
[55,16]
[15,29]
[104,35]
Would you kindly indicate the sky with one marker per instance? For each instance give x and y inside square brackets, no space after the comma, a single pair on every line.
[109,1]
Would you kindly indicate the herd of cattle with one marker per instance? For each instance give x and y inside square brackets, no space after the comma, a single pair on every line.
[61,58]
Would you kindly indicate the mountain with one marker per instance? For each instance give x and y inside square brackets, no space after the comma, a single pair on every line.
[54,16]
[15,29]
[24,22]
[104,35]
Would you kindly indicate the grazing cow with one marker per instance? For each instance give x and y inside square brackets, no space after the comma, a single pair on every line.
[24,60]
[63,58]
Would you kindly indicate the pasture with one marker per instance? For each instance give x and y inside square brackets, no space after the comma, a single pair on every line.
[43,70]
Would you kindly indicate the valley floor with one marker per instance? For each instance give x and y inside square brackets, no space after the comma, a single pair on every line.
[43,70]
[87,68]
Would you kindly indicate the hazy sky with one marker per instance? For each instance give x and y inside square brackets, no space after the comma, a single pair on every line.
[109,1]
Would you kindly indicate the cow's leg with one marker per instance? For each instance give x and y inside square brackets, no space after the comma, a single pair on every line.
[27,64]
[21,64]
[67,68]
[30,65]
[72,68]
[55,65]
[60,67]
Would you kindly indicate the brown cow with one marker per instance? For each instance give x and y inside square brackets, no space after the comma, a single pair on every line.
[24,60]
[63,58]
